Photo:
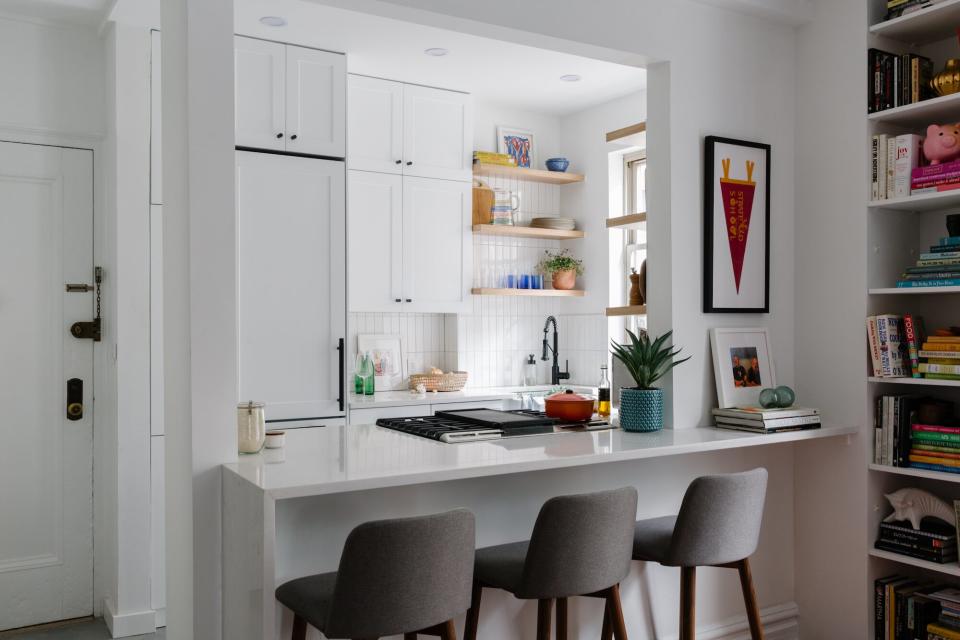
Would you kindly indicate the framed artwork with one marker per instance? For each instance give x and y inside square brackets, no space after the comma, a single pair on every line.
[518,144]
[742,365]
[387,359]
[736,226]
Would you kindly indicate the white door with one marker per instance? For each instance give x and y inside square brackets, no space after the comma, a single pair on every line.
[375,124]
[316,102]
[46,241]
[292,298]
[437,133]
[259,93]
[375,245]
[437,245]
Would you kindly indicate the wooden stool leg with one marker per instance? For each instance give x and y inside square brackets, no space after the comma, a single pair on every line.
[607,632]
[299,628]
[750,599]
[473,614]
[561,619]
[448,631]
[688,602]
[543,618]
[616,613]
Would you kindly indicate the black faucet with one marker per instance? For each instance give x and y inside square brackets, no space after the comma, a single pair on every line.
[555,374]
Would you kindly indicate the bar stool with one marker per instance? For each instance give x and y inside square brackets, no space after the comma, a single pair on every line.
[580,547]
[409,576]
[718,526]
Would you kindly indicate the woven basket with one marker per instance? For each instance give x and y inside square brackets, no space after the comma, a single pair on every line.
[452,381]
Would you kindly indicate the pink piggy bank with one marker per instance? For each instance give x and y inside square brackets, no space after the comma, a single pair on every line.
[942,143]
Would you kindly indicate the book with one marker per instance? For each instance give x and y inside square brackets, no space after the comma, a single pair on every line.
[950,241]
[929,528]
[933,268]
[930,436]
[926,367]
[941,448]
[938,556]
[891,164]
[761,414]
[946,462]
[908,151]
[942,255]
[934,345]
[896,534]
[880,604]
[941,376]
[935,428]
[740,427]
[914,333]
[933,450]
[937,631]
[772,423]
[934,467]
[892,346]
[953,339]
[953,186]
[942,282]
[922,610]
[874,183]
[934,170]
[929,262]
[882,166]
[940,354]
[874,343]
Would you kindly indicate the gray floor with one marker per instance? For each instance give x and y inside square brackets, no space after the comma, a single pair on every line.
[86,630]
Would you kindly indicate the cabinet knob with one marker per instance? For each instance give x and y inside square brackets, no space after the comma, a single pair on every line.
[409,300]
[399,161]
[293,137]
[398,300]
[279,135]
[409,162]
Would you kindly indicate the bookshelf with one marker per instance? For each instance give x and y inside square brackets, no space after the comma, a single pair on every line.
[897,230]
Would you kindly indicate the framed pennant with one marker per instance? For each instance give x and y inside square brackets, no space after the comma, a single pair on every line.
[736,226]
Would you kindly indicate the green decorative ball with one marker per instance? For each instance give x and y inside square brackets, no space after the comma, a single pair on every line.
[769,399]
[785,396]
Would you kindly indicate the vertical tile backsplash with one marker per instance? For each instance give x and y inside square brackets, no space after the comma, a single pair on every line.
[422,337]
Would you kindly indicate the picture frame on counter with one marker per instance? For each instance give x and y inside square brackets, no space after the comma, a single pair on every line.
[518,144]
[386,350]
[742,365]
[736,226]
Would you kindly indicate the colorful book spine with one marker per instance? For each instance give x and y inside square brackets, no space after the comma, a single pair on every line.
[874,164]
[929,436]
[953,339]
[926,367]
[952,186]
[891,165]
[935,428]
[907,158]
[941,282]
[939,353]
[935,170]
[941,376]
[947,462]
[950,241]
[941,255]
[910,330]
[891,342]
[882,166]
[874,342]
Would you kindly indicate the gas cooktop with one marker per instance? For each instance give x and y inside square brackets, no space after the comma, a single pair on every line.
[471,425]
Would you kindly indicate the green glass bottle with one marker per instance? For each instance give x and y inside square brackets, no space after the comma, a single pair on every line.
[368,375]
[358,374]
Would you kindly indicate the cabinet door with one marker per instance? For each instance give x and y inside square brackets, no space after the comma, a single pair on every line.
[156,149]
[437,133]
[292,311]
[316,102]
[437,246]
[375,125]
[370,416]
[259,93]
[375,241]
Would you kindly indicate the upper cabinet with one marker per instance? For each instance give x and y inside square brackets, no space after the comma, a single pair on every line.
[289,98]
[410,130]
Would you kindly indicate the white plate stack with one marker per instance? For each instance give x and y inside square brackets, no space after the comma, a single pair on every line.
[561,224]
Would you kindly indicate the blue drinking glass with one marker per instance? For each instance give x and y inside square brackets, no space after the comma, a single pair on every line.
[524,281]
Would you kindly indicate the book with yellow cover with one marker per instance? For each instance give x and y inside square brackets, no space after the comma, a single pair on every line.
[940,346]
[953,339]
[946,462]
[945,633]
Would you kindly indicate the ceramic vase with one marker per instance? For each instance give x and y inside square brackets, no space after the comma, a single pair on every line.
[564,280]
[641,409]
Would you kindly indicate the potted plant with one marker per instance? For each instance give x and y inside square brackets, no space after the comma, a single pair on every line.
[641,408]
[563,267]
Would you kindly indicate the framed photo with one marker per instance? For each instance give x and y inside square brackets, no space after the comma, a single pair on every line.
[736,226]
[518,144]
[742,365]
[387,359]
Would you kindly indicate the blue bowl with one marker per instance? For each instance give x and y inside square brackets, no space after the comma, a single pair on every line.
[557,164]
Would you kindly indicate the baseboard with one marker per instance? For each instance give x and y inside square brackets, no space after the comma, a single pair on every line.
[780,622]
[128,624]
[161,617]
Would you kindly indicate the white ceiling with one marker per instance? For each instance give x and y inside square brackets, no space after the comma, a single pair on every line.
[494,71]
[87,12]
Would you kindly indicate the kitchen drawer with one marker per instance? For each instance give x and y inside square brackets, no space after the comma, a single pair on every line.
[304,424]
[478,404]
[371,415]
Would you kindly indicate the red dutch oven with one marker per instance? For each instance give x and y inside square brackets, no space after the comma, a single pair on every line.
[569,406]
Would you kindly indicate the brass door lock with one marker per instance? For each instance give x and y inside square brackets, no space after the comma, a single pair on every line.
[88,330]
[74,399]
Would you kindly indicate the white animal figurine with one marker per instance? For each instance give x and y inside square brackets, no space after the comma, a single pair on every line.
[916,504]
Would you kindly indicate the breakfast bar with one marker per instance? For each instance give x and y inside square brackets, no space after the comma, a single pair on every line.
[287,511]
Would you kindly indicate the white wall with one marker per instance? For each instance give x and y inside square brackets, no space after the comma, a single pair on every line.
[546,128]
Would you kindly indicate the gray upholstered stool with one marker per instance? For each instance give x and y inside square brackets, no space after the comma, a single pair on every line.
[718,525]
[409,576]
[580,547]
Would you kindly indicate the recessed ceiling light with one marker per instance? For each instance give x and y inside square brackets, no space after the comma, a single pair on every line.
[273,21]
[570,77]
[436,52]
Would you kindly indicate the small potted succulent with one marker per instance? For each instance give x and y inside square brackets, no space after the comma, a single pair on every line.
[563,267]
[641,408]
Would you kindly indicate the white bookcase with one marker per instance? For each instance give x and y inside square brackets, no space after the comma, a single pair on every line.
[897,231]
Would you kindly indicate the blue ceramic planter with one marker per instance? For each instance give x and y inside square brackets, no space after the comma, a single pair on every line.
[641,409]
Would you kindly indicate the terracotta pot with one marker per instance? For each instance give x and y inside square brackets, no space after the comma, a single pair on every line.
[569,406]
[565,280]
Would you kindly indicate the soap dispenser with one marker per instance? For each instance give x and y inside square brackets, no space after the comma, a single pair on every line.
[530,371]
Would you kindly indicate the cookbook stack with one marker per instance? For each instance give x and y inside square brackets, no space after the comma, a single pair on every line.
[761,420]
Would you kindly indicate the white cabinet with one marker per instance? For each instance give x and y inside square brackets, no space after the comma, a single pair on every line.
[156,147]
[375,124]
[289,98]
[370,416]
[410,247]
[291,283]
[158,563]
[409,129]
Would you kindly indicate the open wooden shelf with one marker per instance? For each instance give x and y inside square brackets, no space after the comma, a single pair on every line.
[627,222]
[922,27]
[922,202]
[919,114]
[630,310]
[532,175]
[927,382]
[950,569]
[916,473]
[526,232]
[532,293]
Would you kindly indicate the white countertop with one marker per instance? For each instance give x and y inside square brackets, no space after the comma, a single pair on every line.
[327,460]
[405,398]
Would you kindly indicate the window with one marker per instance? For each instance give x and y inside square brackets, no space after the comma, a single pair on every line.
[635,239]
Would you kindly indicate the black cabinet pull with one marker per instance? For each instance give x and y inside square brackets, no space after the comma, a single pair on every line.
[279,135]
[399,161]
[409,162]
[293,137]
[409,299]
[398,300]
[341,355]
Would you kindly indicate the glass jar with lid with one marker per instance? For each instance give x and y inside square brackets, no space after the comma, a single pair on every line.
[251,426]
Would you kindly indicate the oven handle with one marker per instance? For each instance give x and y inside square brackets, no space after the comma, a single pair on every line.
[340,369]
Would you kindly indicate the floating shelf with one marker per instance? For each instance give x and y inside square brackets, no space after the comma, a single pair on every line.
[922,27]
[921,202]
[630,310]
[898,291]
[920,114]
[916,381]
[951,569]
[532,175]
[526,232]
[916,473]
[631,221]
[532,293]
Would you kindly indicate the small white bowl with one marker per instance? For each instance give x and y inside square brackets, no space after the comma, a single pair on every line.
[275,439]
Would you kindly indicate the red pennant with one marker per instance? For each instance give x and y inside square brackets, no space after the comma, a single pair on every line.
[737,207]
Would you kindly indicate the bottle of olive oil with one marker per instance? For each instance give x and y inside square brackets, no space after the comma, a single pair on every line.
[603,394]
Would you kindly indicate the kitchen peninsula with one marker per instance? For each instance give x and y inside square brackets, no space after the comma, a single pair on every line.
[291,508]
